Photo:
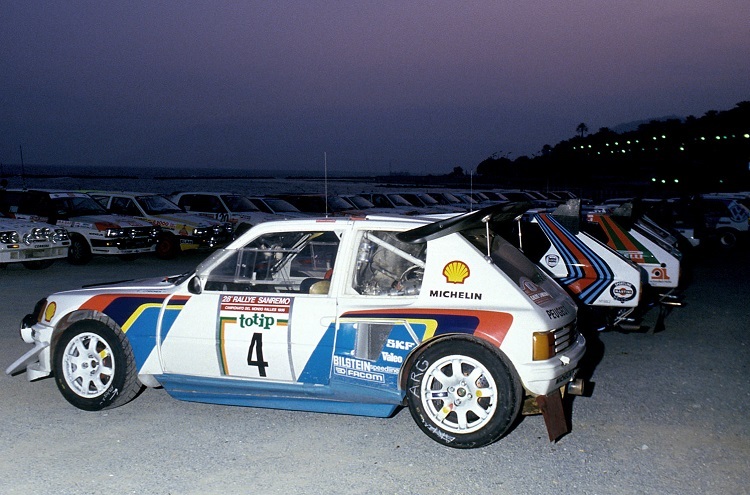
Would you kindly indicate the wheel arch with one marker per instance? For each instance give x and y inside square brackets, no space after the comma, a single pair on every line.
[406,366]
[78,316]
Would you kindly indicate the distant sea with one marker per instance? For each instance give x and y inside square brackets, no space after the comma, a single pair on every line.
[170,180]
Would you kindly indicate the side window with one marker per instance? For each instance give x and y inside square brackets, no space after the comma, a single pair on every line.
[284,262]
[186,202]
[121,206]
[386,266]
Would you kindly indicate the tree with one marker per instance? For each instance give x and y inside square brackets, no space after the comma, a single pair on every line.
[582,129]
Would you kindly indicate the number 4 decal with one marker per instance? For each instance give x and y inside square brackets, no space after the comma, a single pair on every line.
[256,347]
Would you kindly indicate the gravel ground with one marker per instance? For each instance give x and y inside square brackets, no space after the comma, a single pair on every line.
[667,415]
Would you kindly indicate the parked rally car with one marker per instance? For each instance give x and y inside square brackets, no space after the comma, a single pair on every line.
[92,230]
[32,244]
[352,316]
[180,230]
[603,281]
[225,207]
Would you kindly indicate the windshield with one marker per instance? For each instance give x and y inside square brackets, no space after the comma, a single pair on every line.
[238,203]
[398,200]
[78,205]
[360,202]
[428,200]
[281,205]
[338,204]
[157,205]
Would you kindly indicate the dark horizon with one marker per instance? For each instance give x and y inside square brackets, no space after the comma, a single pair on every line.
[379,87]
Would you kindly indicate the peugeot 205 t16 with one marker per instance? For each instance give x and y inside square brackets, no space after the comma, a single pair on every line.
[347,315]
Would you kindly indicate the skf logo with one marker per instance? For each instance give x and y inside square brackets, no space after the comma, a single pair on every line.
[456,272]
[659,274]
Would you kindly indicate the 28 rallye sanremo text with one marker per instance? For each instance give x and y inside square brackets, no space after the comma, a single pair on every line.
[352,316]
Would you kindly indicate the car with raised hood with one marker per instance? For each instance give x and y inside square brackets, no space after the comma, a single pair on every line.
[357,316]
[92,229]
[180,230]
[607,284]
[35,245]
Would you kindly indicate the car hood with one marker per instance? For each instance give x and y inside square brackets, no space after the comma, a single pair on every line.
[118,220]
[186,219]
[19,225]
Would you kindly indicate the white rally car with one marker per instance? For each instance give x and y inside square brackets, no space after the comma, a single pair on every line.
[180,230]
[32,244]
[225,207]
[351,316]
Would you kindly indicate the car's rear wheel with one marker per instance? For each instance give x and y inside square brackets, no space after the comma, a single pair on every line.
[94,366]
[168,247]
[79,252]
[462,393]
[727,239]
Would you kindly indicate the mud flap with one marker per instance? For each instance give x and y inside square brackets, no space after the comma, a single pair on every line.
[551,406]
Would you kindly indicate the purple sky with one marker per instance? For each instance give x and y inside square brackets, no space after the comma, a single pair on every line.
[378,86]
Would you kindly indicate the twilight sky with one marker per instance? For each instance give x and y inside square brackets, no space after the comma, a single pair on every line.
[378,86]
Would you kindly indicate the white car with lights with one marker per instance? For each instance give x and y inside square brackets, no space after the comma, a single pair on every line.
[92,230]
[180,230]
[35,245]
[225,207]
[357,316]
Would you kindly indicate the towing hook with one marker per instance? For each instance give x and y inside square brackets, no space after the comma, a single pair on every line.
[576,387]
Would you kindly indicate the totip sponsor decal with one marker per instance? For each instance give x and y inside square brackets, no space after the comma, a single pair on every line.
[456,272]
[622,291]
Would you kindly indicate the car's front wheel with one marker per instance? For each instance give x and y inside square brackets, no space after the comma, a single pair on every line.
[168,247]
[79,252]
[462,393]
[94,366]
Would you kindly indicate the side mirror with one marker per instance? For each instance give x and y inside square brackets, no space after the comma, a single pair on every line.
[194,285]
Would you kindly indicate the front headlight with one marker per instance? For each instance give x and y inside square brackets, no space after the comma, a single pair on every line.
[114,233]
[200,231]
[9,237]
[60,235]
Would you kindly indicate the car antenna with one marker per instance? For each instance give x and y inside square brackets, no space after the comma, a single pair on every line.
[23,172]
[325,180]
[486,220]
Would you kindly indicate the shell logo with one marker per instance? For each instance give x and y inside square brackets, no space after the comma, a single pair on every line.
[456,272]
[50,311]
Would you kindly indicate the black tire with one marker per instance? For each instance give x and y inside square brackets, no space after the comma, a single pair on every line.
[168,247]
[94,366]
[37,264]
[727,239]
[79,252]
[445,405]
